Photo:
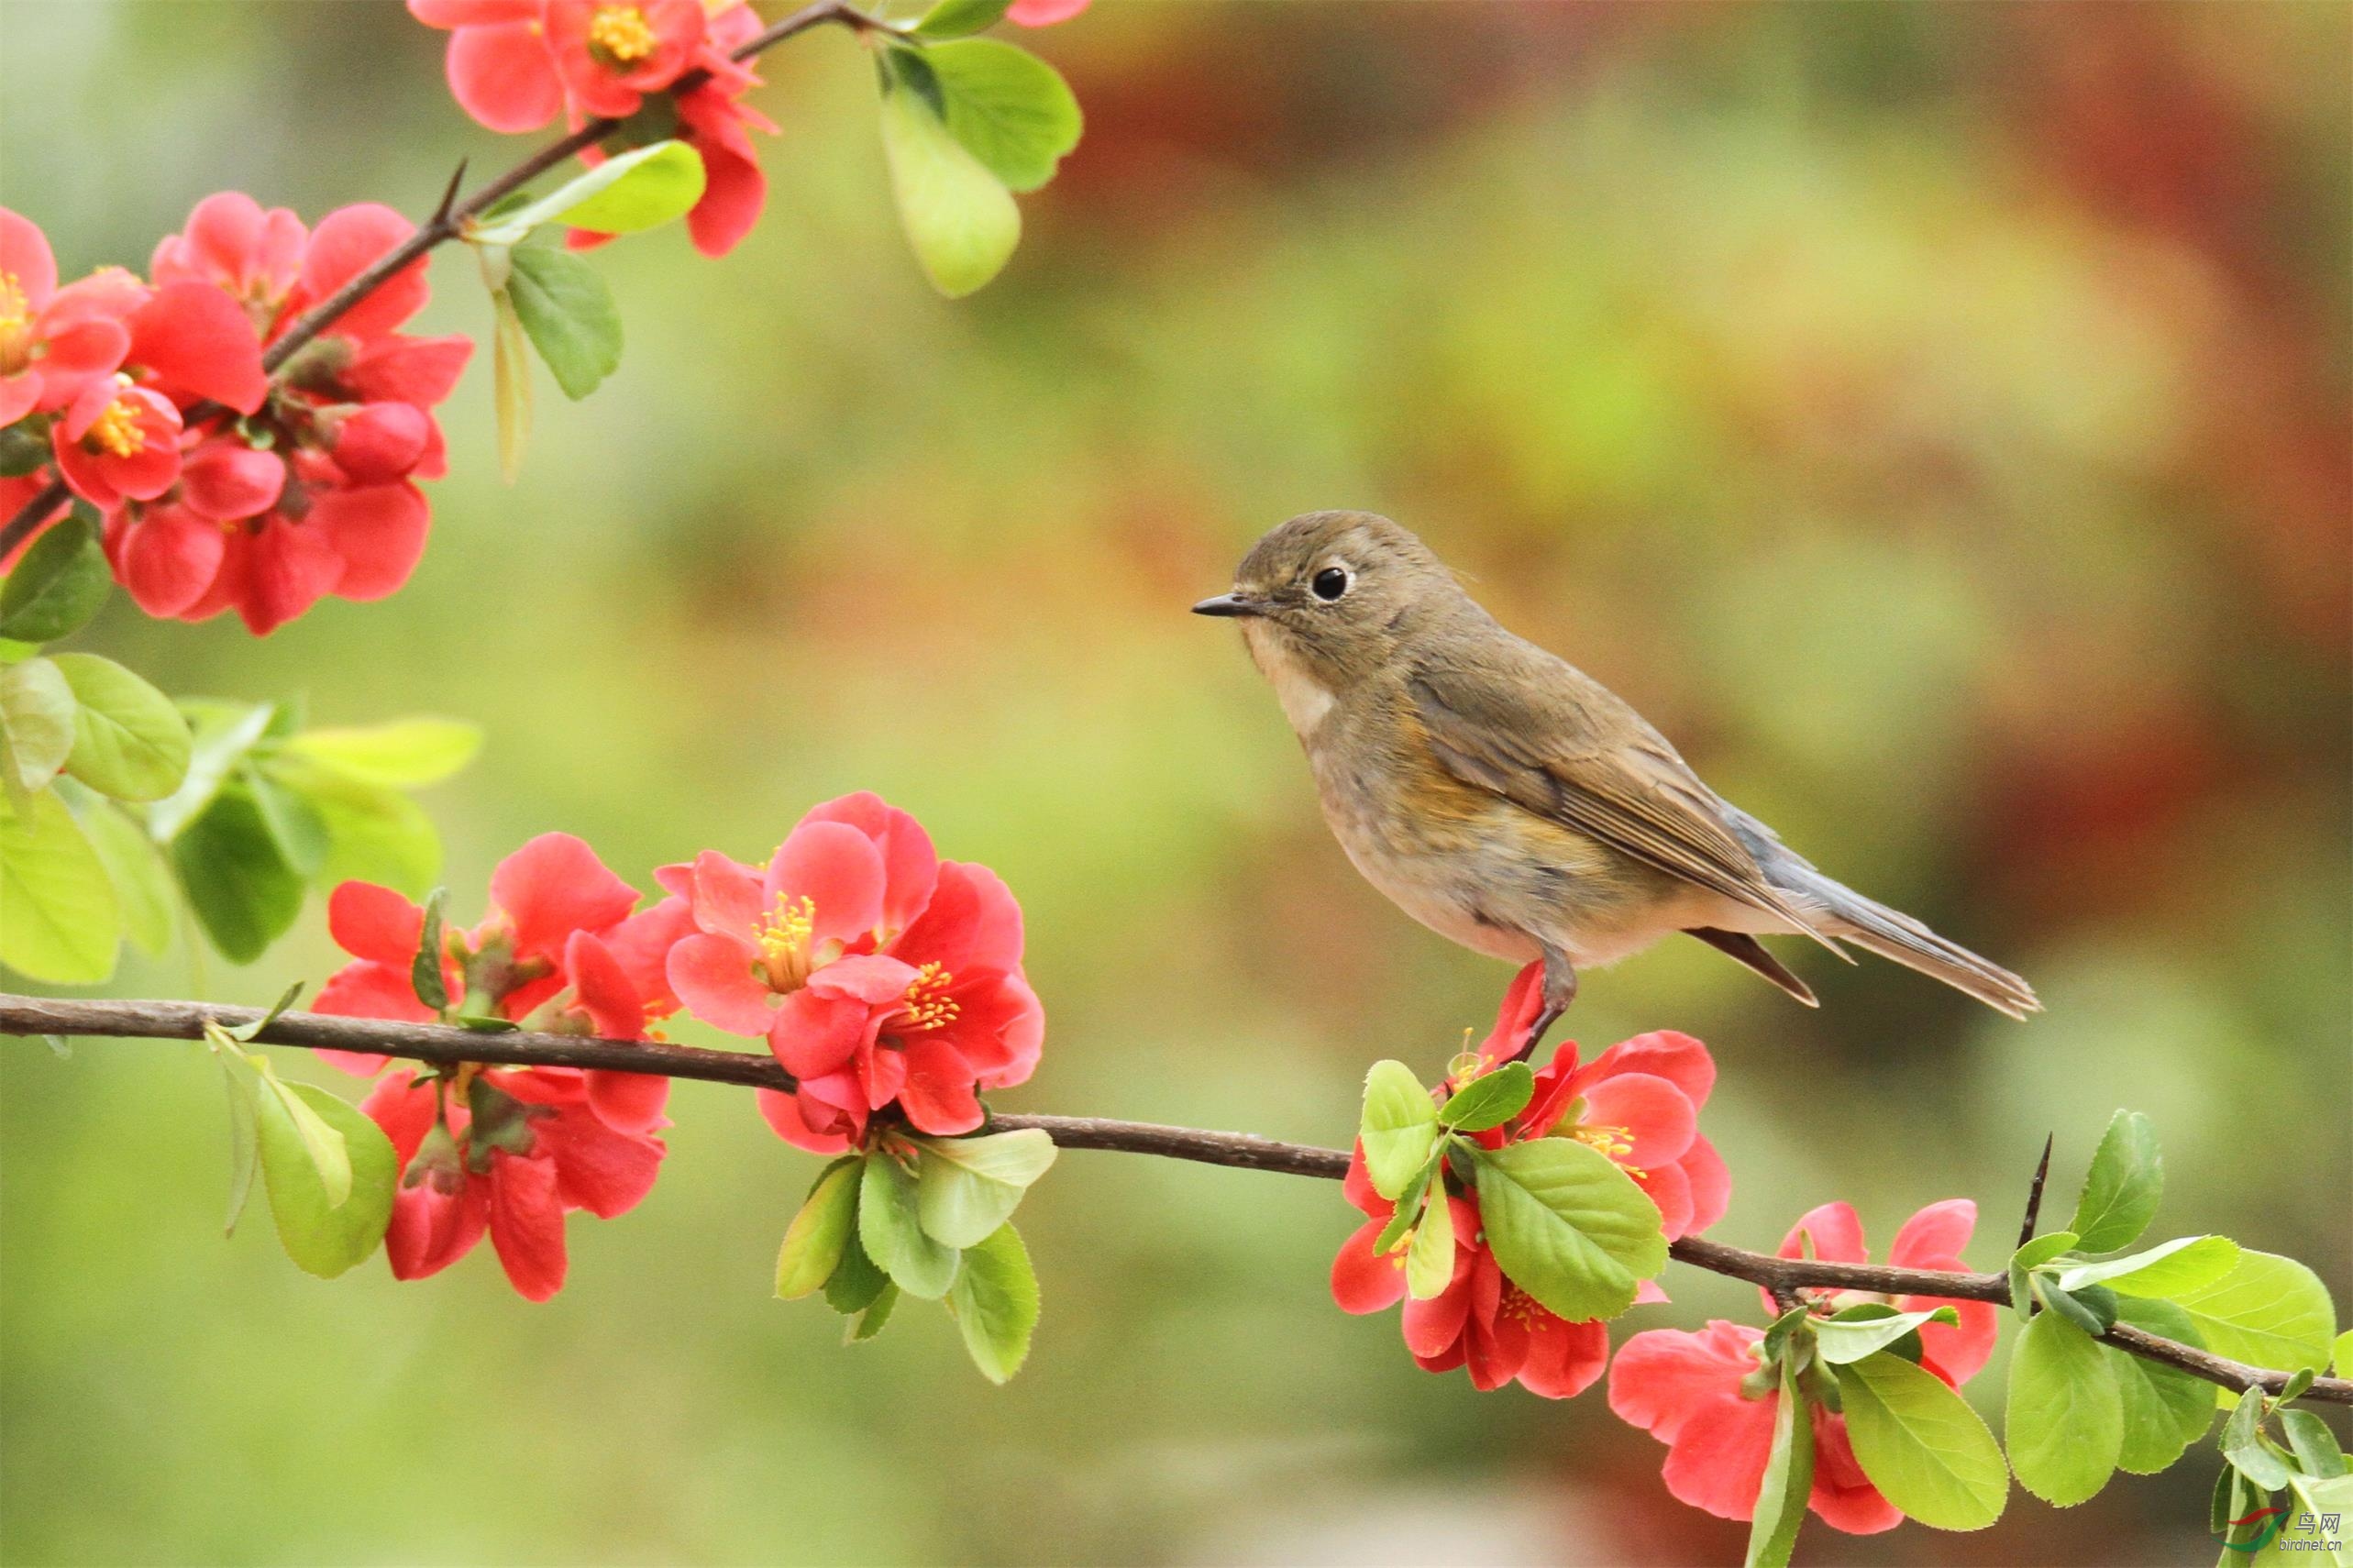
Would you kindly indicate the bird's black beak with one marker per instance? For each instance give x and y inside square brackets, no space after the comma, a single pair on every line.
[1228,604]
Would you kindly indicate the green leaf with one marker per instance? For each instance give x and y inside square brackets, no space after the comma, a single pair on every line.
[2243,1445]
[967,1187]
[948,19]
[244,1136]
[223,732]
[1841,1339]
[1009,108]
[329,1157]
[2166,1269]
[244,893]
[1568,1226]
[2235,1498]
[1490,1100]
[856,1283]
[958,216]
[59,583]
[1788,1479]
[2023,1262]
[894,1234]
[36,712]
[323,1237]
[510,383]
[2319,1502]
[61,911]
[2165,1409]
[638,190]
[406,754]
[2092,1310]
[2270,1310]
[128,740]
[869,1319]
[995,1302]
[815,1240]
[2341,1357]
[295,825]
[2066,1424]
[1408,1207]
[567,310]
[1429,1257]
[425,976]
[2318,1453]
[1921,1444]
[2121,1190]
[1399,1127]
[373,834]
[135,869]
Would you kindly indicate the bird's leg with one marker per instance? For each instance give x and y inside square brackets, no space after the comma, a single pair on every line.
[1560,990]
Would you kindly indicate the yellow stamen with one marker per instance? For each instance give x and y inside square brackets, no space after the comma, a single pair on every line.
[1615,1142]
[16,318]
[117,430]
[620,33]
[927,1005]
[784,941]
[1517,1303]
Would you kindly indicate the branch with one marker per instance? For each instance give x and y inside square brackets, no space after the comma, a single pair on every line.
[451,218]
[1782,1278]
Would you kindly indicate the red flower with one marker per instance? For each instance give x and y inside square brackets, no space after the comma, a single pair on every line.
[52,343]
[1687,1390]
[560,951]
[877,972]
[611,53]
[118,442]
[538,1150]
[1481,1320]
[1932,1239]
[499,64]
[1044,12]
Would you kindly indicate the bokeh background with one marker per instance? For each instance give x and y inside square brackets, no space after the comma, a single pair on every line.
[1935,417]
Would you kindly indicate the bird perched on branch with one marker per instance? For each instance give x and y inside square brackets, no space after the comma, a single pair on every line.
[1509,801]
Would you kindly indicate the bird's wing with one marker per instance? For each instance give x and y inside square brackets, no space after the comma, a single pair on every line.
[1552,741]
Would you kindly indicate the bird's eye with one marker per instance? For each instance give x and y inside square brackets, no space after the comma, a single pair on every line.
[1331,583]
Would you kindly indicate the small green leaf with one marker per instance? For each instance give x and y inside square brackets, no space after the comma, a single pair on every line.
[2121,1190]
[2322,1507]
[566,307]
[868,1320]
[1429,1257]
[1408,1207]
[856,1283]
[2091,1309]
[948,19]
[426,978]
[2268,1310]
[1841,1339]
[958,216]
[995,1302]
[2315,1447]
[813,1242]
[36,712]
[63,916]
[1009,108]
[2066,1424]
[639,190]
[2165,1409]
[967,1187]
[485,1024]
[406,754]
[223,733]
[373,834]
[2243,1445]
[58,584]
[2023,1262]
[1399,1127]
[244,1138]
[250,1031]
[1921,1444]
[1568,1226]
[322,1145]
[1788,1479]
[135,869]
[894,1234]
[323,1236]
[244,893]
[128,740]
[510,383]
[295,825]
[2341,1357]
[2166,1269]
[1490,1100]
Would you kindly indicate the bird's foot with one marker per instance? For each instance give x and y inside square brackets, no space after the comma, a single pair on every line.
[1560,990]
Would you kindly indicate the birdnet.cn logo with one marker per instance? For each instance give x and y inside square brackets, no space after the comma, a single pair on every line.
[2316,1532]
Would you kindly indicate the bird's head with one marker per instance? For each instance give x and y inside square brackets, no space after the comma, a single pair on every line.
[1334,594]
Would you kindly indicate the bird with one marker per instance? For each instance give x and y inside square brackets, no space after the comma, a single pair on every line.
[1512,803]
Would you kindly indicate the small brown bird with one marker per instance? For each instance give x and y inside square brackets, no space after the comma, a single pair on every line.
[1509,801]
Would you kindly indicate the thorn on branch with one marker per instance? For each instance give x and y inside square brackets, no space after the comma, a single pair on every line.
[448,201]
[2034,1192]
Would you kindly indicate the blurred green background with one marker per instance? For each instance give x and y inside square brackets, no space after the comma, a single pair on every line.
[1933,416]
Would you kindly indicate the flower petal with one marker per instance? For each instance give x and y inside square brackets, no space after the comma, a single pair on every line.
[1830,1232]
[378,531]
[629,1102]
[1664,1377]
[1653,1113]
[782,1113]
[199,342]
[554,885]
[1717,1461]
[1940,1230]
[835,867]
[714,980]
[348,241]
[526,1223]
[1362,1279]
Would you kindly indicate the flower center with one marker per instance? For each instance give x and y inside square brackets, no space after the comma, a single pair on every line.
[16,315]
[927,1004]
[1616,1142]
[622,35]
[1516,1304]
[784,941]
[117,430]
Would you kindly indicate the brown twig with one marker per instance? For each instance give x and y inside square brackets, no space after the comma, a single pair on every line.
[1781,1278]
[450,219]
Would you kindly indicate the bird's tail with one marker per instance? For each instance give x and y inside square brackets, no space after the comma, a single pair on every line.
[1891,933]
